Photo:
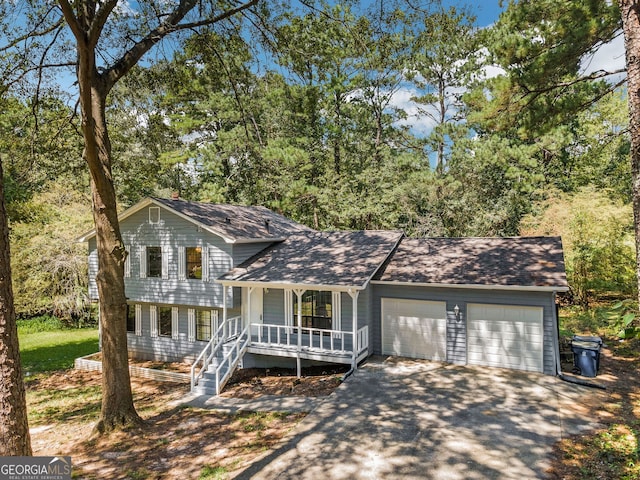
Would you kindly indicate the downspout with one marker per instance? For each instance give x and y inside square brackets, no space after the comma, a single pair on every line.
[224,308]
[354,326]
[556,346]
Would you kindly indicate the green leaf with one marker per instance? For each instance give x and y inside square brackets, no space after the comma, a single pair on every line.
[628,318]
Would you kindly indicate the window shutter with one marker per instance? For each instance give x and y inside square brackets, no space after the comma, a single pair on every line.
[336,312]
[191,317]
[215,319]
[153,318]
[205,264]
[143,262]
[138,320]
[182,263]
[175,333]
[127,261]
[165,262]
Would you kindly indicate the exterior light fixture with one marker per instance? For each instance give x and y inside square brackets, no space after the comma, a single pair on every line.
[456,311]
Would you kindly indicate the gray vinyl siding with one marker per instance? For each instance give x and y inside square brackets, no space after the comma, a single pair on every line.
[171,233]
[244,251]
[273,309]
[165,349]
[457,330]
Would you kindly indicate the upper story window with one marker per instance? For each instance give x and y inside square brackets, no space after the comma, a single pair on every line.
[154,262]
[194,263]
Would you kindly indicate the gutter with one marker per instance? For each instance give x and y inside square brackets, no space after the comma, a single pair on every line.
[472,286]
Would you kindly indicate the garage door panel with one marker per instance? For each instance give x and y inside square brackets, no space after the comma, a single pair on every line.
[513,326]
[516,339]
[515,363]
[414,328]
[505,336]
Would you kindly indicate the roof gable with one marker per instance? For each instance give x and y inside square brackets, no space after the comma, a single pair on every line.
[319,259]
[234,223]
[530,262]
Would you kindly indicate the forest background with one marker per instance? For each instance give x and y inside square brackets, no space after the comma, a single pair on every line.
[346,116]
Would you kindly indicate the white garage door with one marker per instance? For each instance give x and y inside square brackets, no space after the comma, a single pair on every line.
[505,336]
[414,328]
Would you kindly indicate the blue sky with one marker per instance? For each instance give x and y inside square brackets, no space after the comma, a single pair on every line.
[487,12]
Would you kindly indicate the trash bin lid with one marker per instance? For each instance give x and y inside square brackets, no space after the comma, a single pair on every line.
[585,344]
[582,338]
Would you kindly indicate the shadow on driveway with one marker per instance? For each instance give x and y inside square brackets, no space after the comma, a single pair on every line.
[406,419]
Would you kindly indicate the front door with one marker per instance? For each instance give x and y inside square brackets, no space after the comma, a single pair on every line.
[252,304]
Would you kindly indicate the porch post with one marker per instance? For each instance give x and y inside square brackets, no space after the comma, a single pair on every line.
[249,292]
[354,325]
[299,293]
[224,303]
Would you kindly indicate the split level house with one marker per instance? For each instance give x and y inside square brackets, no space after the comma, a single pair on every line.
[222,286]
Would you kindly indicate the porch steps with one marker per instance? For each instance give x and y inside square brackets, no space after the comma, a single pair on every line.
[207,384]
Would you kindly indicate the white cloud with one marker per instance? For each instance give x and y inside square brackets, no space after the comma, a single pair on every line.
[419,123]
[609,57]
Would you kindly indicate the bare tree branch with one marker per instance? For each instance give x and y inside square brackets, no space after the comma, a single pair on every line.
[171,24]
[98,23]
[597,75]
[71,19]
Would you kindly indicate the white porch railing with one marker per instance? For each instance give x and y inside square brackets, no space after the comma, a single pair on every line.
[317,339]
[226,367]
[362,340]
[227,330]
[272,336]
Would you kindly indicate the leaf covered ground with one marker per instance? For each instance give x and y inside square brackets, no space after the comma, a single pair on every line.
[612,451]
[176,442]
[179,442]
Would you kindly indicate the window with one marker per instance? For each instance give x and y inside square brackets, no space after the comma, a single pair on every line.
[131,318]
[194,263]
[164,317]
[203,325]
[154,262]
[316,309]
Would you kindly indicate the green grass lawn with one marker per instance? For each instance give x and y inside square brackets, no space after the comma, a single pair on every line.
[55,349]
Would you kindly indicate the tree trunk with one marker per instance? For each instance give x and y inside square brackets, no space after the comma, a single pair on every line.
[630,10]
[14,428]
[117,398]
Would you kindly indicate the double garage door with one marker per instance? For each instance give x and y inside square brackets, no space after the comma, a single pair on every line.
[497,335]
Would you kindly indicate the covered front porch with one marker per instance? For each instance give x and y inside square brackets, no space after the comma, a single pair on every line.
[318,323]
[317,344]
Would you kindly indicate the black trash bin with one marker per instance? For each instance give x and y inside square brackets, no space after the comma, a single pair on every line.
[586,355]
[597,340]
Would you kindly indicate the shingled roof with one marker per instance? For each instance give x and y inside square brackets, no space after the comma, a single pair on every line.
[320,259]
[530,262]
[236,222]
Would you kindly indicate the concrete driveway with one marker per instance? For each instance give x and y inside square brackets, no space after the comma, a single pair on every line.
[406,419]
